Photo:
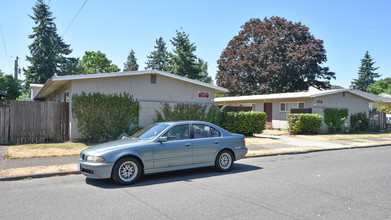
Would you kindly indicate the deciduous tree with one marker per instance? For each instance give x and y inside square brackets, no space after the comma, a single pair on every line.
[10,85]
[96,62]
[380,86]
[273,55]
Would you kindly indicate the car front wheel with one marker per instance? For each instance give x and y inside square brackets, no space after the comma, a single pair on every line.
[126,171]
[224,161]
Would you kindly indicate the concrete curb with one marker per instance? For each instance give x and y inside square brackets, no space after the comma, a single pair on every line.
[316,150]
[36,176]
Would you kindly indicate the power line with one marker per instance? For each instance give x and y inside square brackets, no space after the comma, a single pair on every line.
[5,48]
[81,8]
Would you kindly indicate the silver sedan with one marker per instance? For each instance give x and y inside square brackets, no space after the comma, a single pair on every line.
[163,147]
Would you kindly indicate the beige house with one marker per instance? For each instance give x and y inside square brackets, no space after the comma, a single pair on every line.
[315,101]
[150,88]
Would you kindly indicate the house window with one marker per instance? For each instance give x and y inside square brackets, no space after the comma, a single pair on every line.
[66,96]
[153,79]
[286,106]
[282,107]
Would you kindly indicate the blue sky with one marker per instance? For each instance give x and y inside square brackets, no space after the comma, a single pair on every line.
[348,28]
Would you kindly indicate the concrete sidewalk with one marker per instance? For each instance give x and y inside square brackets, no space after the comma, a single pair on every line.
[287,145]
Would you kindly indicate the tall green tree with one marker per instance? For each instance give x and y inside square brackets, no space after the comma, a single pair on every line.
[71,67]
[96,62]
[366,73]
[48,48]
[380,86]
[11,86]
[131,62]
[184,62]
[273,55]
[158,59]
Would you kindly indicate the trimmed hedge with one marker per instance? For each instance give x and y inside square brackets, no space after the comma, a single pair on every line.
[304,123]
[103,117]
[191,112]
[359,122]
[247,123]
[335,118]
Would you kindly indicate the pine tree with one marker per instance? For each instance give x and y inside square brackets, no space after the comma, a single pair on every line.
[131,63]
[158,59]
[184,62]
[47,50]
[366,73]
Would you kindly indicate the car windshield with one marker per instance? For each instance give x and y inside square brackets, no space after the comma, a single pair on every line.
[150,131]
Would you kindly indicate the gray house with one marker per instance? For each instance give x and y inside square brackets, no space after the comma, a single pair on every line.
[151,88]
[315,101]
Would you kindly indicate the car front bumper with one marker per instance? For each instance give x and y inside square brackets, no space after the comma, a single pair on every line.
[95,170]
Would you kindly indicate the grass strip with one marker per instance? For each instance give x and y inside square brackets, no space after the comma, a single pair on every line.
[45,150]
[38,170]
[281,150]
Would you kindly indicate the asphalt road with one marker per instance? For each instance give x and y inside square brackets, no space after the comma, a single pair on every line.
[343,184]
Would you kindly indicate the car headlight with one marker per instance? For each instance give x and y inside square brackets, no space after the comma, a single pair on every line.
[95,159]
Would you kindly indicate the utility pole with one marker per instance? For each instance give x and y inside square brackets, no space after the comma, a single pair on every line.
[16,70]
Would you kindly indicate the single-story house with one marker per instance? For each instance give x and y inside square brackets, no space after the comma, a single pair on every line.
[150,88]
[381,99]
[315,101]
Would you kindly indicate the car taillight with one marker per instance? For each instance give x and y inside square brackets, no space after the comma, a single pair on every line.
[244,142]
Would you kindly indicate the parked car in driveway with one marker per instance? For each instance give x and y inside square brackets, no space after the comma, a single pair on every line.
[163,147]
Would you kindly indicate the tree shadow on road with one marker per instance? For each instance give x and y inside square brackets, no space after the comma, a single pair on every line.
[173,176]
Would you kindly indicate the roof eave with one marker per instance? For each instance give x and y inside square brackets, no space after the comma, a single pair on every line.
[45,86]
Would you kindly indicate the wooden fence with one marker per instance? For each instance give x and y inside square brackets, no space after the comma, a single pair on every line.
[4,123]
[34,122]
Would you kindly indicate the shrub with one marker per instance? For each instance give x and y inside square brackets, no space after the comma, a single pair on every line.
[103,117]
[247,123]
[359,122]
[335,118]
[304,123]
[196,112]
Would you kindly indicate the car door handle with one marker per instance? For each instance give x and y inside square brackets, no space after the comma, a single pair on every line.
[187,145]
[217,142]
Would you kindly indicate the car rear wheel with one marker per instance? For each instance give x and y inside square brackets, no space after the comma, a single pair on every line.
[224,161]
[126,171]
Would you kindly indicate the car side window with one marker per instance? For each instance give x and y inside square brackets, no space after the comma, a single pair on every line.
[201,131]
[215,133]
[179,132]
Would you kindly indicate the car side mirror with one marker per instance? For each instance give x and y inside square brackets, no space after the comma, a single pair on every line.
[162,139]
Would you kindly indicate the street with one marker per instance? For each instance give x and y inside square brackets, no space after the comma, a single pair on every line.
[342,184]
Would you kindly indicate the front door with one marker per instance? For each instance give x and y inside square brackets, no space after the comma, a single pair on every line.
[269,113]
[177,151]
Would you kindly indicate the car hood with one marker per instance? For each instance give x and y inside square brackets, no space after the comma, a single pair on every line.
[108,147]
